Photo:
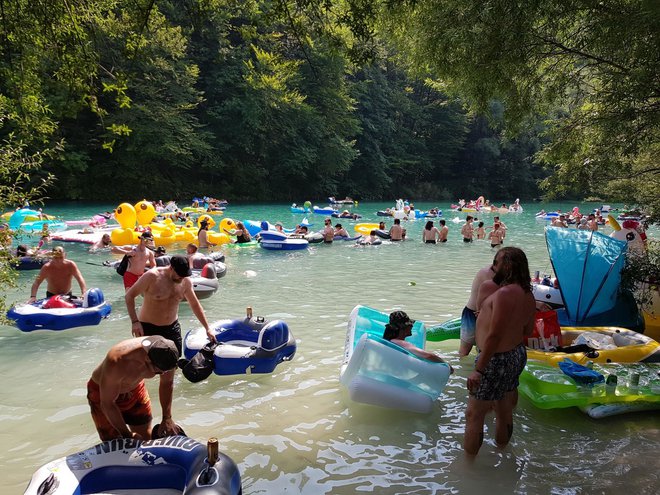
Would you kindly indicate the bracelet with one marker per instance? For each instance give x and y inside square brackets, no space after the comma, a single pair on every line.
[479,371]
[135,321]
[33,295]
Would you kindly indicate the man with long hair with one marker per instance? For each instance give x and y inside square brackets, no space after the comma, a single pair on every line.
[506,312]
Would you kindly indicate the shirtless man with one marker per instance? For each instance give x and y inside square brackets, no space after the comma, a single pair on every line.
[103,242]
[397,232]
[506,315]
[196,260]
[163,288]
[117,397]
[469,317]
[443,231]
[328,232]
[496,236]
[560,222]
[59,273]
[467,231]
[592,224]
[203,235]
[400,327]
[496,219]
[141,256]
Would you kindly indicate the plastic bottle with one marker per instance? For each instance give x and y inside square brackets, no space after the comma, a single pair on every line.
[633,384]
[611,383]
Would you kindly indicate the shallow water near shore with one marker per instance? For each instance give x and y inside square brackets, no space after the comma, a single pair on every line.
[296,431]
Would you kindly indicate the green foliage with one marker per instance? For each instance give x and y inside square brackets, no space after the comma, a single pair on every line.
[598,61]
[252,100]
[642,274]
[18,168]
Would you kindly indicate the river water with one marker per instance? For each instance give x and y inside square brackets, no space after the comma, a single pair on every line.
[296,431]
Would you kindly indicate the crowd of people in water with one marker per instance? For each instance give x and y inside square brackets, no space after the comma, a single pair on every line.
[499,313]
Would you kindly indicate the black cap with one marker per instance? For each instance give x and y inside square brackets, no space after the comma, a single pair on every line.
[147,235]
[400,318]
[162,352]
[180,265]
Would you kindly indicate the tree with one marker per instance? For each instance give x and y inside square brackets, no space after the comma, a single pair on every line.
[596,60]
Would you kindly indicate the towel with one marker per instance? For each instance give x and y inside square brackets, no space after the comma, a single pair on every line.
[581,374]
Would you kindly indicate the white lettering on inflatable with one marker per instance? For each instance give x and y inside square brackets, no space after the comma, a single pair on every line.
[178,442]
[116,444]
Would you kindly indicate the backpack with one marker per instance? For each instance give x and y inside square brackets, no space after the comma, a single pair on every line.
[200,366]
[123,265]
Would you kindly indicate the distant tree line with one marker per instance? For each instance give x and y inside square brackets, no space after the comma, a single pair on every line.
[251,101]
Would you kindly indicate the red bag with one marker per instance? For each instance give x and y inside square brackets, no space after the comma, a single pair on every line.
[58,301]
[547,332]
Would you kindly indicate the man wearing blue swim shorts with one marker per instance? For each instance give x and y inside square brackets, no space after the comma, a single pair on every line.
[469,317]
[506,315]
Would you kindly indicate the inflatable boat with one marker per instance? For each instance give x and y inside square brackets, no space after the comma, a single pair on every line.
[30,262]
[169,465]
[205,281]
[547,387]
[448,330]
[277,241]
[600,345]
[247,345]
[378,372]
[60,312]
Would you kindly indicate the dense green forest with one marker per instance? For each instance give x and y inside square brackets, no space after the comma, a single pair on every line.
[289,100]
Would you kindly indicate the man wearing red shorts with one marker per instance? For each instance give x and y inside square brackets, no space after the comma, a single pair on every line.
[117,397]
[141,257]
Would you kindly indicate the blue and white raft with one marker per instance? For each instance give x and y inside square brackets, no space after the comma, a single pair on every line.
[58,313]
[169,465]
[378,372]
[276,241]
[248,345]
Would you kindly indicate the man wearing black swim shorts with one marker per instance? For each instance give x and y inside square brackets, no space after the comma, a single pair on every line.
[163,288]
[506,311]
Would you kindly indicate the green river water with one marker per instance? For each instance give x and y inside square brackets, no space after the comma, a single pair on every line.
[296,431]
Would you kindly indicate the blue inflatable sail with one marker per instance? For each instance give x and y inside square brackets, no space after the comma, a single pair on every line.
[588,265]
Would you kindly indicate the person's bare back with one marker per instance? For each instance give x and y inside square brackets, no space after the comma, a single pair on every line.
[124,367]
[506,314]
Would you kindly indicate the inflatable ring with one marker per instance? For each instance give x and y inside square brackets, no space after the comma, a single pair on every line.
[366,228]
[174,463]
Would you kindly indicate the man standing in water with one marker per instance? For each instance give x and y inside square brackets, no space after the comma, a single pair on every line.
[59,273]
[469,317]
[163,288]
[141,256]
[467,231]
[506,314]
